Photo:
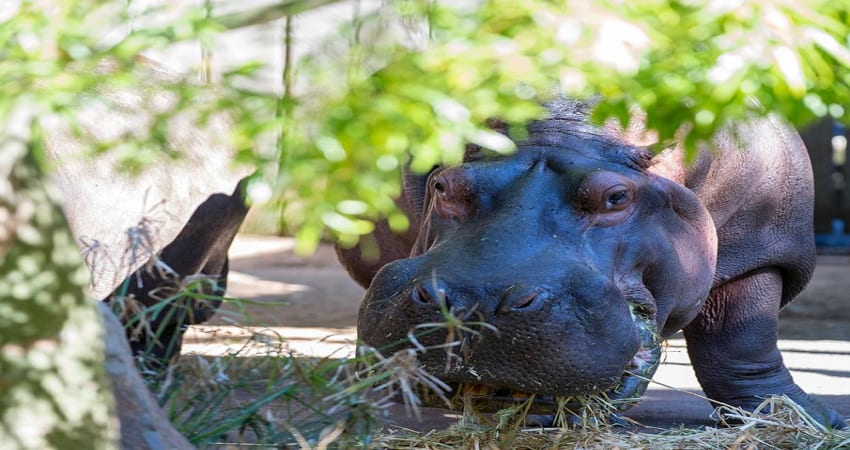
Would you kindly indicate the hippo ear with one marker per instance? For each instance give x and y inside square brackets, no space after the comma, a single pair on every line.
[384,245]
[682,274]
[415,189]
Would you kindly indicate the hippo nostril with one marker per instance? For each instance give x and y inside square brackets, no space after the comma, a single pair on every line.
[420,295]
[525,300]
[514,301]
[428,293]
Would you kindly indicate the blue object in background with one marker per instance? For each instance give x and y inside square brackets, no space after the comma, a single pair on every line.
[837,240]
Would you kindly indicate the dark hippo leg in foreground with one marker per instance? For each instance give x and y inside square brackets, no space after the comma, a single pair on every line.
[732,345]
[762,203]
[196,257]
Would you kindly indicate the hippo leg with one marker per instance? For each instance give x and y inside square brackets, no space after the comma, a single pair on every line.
[733,346]
[198,254]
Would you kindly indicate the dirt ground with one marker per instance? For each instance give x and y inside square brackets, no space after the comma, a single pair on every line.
[309,298]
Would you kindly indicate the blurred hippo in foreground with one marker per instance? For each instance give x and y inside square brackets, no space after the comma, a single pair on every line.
[155,244]
[571,260]
[157,240]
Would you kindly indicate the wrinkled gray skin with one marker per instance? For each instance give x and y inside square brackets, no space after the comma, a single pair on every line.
[581,243]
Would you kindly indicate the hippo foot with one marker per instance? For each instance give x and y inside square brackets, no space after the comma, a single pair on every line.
[823,415]
[835,420]
[566,410]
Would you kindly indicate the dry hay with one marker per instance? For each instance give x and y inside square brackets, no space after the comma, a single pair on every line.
[778,423]
[338,400]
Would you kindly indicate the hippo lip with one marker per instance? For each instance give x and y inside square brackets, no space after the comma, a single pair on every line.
[625,393]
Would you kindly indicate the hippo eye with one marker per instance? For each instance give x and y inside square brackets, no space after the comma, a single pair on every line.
[605,192]
[616,198]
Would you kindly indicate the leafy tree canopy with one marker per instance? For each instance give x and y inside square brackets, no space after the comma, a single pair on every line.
[413,81]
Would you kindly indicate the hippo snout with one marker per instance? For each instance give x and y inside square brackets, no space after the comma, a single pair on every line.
[572,337]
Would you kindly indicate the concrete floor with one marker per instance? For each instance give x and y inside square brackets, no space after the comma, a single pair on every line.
[305,299]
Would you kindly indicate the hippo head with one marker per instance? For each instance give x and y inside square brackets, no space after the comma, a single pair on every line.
[566,261]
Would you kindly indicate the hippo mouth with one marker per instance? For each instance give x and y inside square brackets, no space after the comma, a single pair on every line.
[626,392]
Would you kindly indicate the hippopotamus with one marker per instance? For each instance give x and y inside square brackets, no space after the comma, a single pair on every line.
[573,258]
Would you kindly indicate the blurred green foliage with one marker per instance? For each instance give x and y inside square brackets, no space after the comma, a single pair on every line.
[403,82]
[54,393]
[410,82]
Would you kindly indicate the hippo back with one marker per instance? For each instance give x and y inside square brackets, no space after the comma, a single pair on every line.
[757,185]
